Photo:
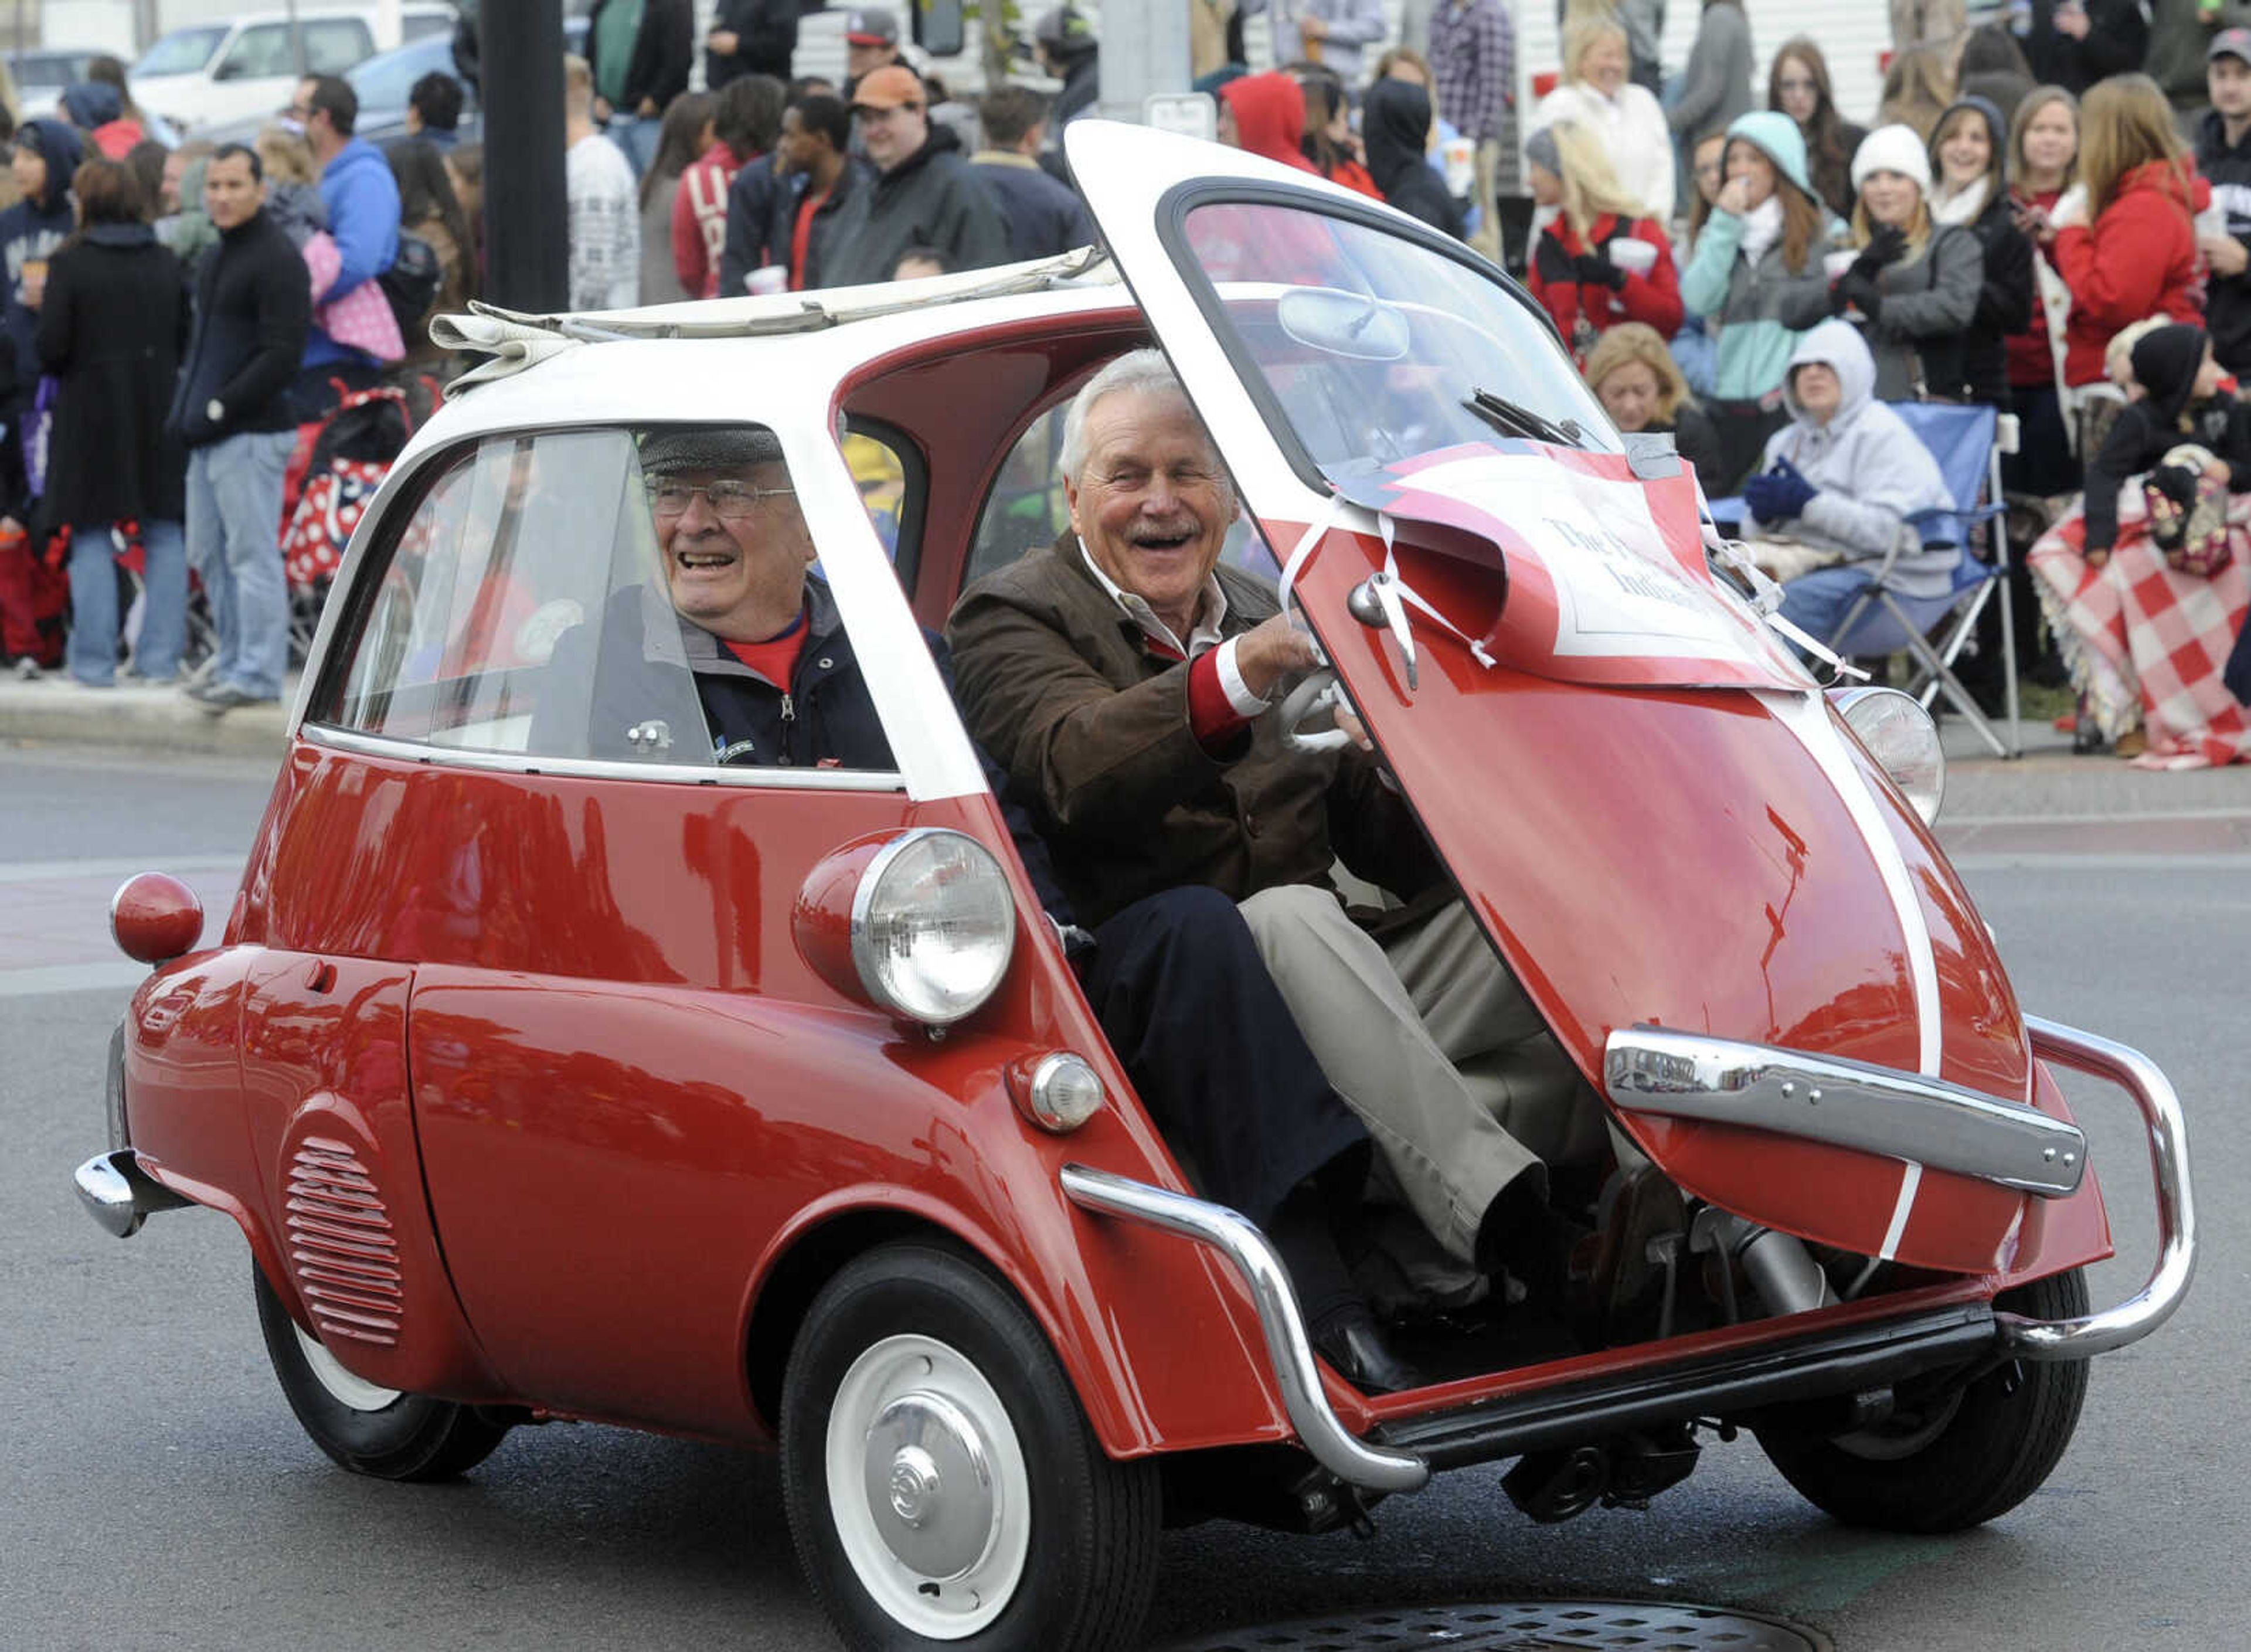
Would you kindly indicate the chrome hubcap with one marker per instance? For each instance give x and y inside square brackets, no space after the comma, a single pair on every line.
[927,1487]
[931,1485]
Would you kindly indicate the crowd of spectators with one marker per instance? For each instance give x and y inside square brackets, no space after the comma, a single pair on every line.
[2024,192]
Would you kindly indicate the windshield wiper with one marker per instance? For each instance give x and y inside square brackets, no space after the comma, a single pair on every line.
[1515,419]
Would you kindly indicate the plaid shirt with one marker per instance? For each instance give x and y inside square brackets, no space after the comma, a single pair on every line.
[1473,59]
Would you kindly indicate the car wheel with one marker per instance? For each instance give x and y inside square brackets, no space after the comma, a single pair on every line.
[1963,1457]
[368,1429]
[944,1487]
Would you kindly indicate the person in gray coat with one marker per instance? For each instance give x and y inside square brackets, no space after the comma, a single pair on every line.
[1715,87]
[1840,483]
[1914,287]
[925,194]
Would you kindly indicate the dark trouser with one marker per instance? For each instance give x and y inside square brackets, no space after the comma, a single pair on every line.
[317,390]
[1742,429]
[1191,1012]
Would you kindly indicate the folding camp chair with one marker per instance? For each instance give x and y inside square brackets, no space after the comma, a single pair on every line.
[1968,443]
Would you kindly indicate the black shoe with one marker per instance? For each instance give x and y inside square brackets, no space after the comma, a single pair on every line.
[216,699]
[1352,1342]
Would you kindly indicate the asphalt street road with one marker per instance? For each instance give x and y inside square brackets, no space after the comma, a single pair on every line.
[156,1491]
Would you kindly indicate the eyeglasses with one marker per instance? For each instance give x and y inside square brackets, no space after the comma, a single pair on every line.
[731,501]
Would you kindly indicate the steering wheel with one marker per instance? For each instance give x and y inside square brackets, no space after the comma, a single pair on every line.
[1319,692]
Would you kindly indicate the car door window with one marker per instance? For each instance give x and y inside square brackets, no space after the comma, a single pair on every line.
[1027,506]
[573,595]
[334,44]
[258,54]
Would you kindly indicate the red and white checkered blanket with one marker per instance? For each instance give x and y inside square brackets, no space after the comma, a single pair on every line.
[2145,644]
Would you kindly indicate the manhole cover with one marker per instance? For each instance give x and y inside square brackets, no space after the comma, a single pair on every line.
[1524,1625]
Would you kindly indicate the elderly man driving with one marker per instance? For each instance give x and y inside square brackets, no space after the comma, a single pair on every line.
[1124,677]
[772,668]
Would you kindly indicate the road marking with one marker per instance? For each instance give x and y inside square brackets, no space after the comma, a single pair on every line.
[85,977]
[33,871]
[2125,860]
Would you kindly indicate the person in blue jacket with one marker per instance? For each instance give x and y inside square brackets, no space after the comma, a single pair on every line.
[47,154]
[362,196]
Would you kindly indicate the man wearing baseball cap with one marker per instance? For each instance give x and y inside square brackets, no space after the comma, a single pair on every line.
[924,192]
[872,42]
[2223,155]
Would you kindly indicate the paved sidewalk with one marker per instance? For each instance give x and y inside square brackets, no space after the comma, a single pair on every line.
[55,711]
[2046,803]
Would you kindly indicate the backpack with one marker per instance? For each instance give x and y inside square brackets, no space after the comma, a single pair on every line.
[410,286]
[345,458]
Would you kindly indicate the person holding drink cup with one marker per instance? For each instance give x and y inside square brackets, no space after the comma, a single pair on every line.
[1601,259]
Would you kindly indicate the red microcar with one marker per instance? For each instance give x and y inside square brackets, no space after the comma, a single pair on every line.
[558,1070]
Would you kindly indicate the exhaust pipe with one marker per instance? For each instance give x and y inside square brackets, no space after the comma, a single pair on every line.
[1779,1267]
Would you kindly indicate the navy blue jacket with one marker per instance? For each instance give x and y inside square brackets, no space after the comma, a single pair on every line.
[32,229]
[1045,217]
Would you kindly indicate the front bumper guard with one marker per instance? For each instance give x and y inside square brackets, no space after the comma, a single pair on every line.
[1823,1362]
[120,1195]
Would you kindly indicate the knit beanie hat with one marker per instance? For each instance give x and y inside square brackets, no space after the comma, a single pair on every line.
[2165,362]
[1892,148]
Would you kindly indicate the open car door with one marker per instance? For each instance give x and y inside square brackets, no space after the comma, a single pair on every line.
[1645,799]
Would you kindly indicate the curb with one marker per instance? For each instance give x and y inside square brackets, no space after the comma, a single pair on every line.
[151,719]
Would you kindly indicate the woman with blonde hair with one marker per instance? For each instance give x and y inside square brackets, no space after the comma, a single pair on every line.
[2126,248]
[2043,161]
[1633,375]
[1914,287]
[1600,260]
[1627,118]
[1918,88]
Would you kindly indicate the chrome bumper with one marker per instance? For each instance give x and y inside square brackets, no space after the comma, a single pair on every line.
[120,1195]
[2151,1306]
[1900,1116]
[1848,1104]
[1235,1237]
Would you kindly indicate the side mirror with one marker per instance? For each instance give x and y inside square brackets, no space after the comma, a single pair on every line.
[938,26]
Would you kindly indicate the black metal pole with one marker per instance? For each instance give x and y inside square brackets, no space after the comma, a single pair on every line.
[527,248]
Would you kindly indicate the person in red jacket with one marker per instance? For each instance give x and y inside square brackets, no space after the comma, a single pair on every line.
[1265,113]
[1600,260]
[745,121]
[2131,251]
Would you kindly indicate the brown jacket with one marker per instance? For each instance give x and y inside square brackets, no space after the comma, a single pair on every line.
[1060,686]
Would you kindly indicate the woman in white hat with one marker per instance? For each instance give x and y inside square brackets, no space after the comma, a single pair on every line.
[1913,287]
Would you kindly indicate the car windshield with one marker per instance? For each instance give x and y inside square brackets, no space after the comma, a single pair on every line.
[39,70]
[181,51]
[1373,348]
[383,81]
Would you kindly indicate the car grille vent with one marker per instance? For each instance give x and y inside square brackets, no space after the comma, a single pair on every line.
[341,1247]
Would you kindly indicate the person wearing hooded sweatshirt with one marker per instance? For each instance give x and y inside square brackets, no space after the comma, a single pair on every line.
[45,157]
[1758,259]
[1915,283]
[1840,482]
[1967,151]
[1265,115]
[2181,405]
[97,111]
[2126,246]
[924,192]
[1395,126]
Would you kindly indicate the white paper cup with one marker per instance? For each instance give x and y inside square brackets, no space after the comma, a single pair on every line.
[1635,258]
[766,279]
[1839,262]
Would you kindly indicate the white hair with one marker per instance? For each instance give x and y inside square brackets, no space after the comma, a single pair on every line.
[1144,373]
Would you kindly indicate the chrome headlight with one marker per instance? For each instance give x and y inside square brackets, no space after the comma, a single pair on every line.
[933,925]
[1902,738]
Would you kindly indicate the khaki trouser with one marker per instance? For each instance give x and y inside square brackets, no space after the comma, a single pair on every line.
[1432,1043]
[1487,239]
